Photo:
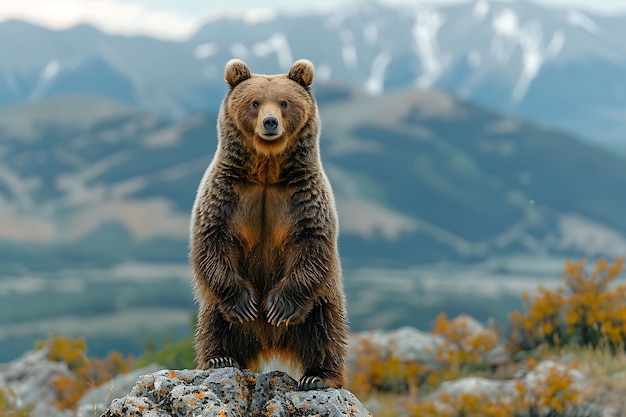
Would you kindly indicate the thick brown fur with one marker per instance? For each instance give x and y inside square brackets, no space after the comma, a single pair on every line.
[267,274]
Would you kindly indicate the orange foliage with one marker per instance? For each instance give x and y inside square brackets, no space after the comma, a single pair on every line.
[462,347]
[86,372]
[586,311]
[9,405]
[555,391]
[378,369]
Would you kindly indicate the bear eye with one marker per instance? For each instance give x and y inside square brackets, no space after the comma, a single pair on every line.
[283,104]
[255,104]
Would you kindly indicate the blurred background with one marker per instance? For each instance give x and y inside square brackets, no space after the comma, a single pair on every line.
[472,146]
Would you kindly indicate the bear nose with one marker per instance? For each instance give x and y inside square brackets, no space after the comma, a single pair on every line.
[270,123]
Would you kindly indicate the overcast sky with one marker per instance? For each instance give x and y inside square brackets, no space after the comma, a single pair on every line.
[176,19]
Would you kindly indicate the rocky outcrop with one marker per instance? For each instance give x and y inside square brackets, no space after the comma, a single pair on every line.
[407,343]
[29,378]
[96,400]
[230,392]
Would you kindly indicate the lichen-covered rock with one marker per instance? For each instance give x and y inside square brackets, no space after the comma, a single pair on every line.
[96,400]
[230,392]
[30,378]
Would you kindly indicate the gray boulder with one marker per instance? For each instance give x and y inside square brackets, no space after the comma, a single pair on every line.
[230,392]
[96,400]
[29,377]
[408,343]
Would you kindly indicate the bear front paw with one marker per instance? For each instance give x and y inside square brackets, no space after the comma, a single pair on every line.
[282,308]
[222,362]
[242,307]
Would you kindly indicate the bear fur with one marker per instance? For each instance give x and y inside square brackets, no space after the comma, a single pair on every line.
[263,244]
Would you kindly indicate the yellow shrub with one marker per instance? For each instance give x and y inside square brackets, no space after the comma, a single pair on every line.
[586,311]
[554,392]
[86,372]
[9,406]
[463,349]
[377,369]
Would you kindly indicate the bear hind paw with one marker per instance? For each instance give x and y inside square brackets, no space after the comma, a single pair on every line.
[307,383]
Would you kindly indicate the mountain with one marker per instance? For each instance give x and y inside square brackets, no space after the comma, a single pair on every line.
[561,68]
[437,199]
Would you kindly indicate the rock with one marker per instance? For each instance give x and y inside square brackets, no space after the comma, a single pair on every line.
[230,392]
[96,400]
[407,343]
[506,391]
[537,377]
[410,344]
[474,385]
[30,377]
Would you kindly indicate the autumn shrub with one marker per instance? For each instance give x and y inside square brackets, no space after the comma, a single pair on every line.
[552,393]
[85,372]
[464,348]
[378,368]
[10,405]
[587,310]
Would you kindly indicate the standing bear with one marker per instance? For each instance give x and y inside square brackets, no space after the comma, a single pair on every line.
[263,244]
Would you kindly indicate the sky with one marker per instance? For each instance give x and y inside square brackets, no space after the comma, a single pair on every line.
[177,19]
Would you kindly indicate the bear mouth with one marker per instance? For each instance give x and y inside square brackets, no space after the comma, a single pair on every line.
[269,136]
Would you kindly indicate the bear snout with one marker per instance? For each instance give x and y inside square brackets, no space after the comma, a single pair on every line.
[270,124]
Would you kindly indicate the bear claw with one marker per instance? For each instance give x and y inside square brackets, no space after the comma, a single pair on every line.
[311,383]
[222,362]
[241,307]
[245,312]
[280,312]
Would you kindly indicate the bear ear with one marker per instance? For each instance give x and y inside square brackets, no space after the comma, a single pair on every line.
[302,72]
[236,72]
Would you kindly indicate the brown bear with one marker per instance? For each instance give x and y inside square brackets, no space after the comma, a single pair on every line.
[263,242]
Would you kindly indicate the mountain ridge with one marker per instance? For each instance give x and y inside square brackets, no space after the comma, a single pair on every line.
[558,67]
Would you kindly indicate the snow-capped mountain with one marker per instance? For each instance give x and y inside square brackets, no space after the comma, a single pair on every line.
[560,67]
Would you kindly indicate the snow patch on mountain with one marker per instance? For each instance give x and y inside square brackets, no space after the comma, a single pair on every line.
[348,51]
[17,186]
[51,70]
[205,51]
[576,18]
[323,72]
[529,38]
[588,236]
[78,188]
[239,50]
[370,33]
[481,10]
[424,31]
[376,81]
[278,44]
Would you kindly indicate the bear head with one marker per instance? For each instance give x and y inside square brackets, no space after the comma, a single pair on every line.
[270,111]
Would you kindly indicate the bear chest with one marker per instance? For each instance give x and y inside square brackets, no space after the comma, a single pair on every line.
[262,218]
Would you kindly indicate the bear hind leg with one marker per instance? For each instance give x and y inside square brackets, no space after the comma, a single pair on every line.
[321,345]
[219,343]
